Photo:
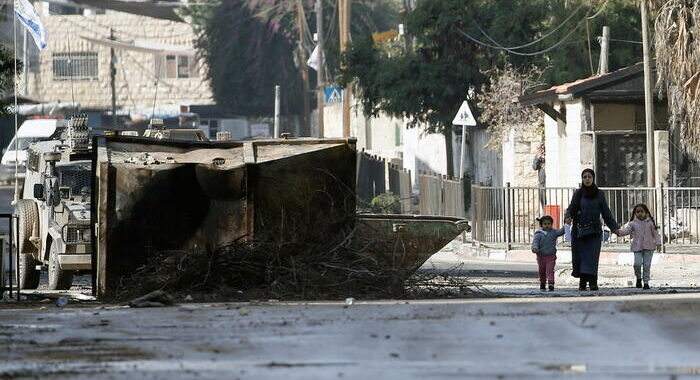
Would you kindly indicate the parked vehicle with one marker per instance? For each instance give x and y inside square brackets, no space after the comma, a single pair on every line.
[54,212]
[30,131]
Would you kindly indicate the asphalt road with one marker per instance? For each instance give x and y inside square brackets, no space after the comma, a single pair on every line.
[652,336]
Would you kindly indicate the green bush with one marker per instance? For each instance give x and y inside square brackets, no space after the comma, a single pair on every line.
[387,203]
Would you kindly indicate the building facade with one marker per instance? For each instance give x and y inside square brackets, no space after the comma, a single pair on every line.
[156,68]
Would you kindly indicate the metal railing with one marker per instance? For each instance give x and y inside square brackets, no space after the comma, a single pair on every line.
[11,283]
[441,195]
[375,176]
[508,214]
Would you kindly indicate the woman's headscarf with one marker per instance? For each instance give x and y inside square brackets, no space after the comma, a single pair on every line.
[588,192]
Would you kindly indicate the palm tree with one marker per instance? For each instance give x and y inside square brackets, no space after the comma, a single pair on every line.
[677,35]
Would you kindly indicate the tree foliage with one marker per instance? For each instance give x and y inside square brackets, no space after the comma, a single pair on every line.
[6,76]
[252,45]
[427,83]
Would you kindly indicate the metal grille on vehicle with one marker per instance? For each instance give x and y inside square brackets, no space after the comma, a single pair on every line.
[77,177]
[77,233]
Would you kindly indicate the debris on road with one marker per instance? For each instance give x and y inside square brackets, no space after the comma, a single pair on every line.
[61,301]
[157,298]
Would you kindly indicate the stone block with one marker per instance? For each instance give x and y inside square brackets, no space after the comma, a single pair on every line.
[522,147]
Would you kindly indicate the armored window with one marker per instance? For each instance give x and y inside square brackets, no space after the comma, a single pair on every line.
[75,176]
[75,66]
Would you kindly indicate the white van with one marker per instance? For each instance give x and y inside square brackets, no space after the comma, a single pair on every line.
[30,131]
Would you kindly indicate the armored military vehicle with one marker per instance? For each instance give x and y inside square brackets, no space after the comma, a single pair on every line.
[54,212]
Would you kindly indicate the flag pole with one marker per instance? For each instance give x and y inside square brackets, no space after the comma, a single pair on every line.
[14,35]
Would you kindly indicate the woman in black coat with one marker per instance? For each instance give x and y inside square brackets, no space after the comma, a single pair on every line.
[587,206]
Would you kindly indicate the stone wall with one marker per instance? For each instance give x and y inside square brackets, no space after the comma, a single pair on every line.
[519,152]
[136,72]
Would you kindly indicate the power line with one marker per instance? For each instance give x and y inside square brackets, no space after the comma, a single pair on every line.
[543,37]
[500,47]
[126,80]
[599,11]
[627,41]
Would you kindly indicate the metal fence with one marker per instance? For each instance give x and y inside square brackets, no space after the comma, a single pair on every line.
[371,177]
[440,195]
[508,214]
[376,176]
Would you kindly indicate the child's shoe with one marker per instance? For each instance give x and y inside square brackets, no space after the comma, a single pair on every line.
[543,286]
[646,286]
[551,287]
[639,282]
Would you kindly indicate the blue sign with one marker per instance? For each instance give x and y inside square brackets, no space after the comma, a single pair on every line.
[334,95]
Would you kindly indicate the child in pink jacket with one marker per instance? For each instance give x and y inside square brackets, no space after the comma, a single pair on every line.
[644,240]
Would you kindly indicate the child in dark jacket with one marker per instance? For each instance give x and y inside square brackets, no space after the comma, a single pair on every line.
[544,244]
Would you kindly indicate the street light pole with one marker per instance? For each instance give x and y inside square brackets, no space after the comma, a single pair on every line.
[648,99]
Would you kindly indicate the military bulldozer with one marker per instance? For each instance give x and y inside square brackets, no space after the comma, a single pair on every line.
[54,213]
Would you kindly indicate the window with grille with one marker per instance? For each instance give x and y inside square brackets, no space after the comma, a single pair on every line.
[76,66]
[179,66]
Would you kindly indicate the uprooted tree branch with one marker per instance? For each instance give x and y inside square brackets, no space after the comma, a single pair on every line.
[501,111]
[287,261]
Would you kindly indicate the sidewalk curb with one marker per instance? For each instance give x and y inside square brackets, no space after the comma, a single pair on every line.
[564,255]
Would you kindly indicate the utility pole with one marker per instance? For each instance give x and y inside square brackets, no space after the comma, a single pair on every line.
[112,79]
[277,111]
[408,40]
[344,23]
[604,49]
[321,66]
[648,99]
[304,68]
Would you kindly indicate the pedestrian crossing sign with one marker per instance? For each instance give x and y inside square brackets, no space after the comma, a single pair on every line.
[464,116]
[334,95]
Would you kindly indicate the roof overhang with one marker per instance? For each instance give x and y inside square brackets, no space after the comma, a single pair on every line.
[156,9]
[142,46]
[580,87]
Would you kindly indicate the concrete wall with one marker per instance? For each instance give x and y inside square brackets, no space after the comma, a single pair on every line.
[487,165]
[563,145]
[136,72]
[381,135]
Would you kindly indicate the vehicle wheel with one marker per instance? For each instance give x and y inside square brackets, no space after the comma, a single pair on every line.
[58,279]
[28,215]
[28,226]
[28,274]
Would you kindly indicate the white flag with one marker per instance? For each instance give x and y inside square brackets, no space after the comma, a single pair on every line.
[26,14]
[313,61]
